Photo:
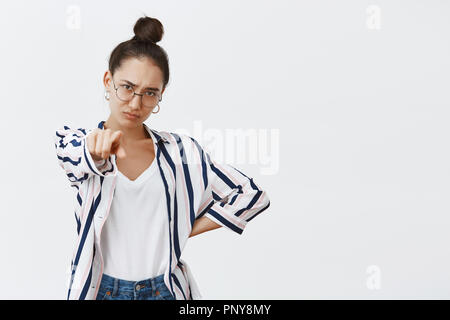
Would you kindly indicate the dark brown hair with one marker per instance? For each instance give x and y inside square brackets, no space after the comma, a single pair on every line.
[147,31]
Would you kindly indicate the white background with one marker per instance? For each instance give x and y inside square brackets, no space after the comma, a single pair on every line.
[359,97]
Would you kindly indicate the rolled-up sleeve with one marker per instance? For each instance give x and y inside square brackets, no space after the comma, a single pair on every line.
[236,198]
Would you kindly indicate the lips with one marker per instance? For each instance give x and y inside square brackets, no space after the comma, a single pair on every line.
[131,114]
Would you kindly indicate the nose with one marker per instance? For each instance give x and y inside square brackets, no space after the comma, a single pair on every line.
[135,102]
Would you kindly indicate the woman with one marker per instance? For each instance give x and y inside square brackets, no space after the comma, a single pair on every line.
[141,193]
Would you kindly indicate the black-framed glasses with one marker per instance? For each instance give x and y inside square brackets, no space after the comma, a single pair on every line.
[125,92]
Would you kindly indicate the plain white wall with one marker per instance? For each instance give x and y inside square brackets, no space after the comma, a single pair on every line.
[352,97]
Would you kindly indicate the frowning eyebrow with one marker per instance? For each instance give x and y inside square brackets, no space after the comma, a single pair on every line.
[133,85]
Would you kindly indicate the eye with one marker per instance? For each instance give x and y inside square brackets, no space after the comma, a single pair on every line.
[126,86]
[149,92]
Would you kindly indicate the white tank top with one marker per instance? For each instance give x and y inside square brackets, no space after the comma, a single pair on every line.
[135,236]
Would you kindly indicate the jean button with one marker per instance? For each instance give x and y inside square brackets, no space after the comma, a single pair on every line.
[138,287]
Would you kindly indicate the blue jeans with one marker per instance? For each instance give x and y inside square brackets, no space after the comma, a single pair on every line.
[149,289]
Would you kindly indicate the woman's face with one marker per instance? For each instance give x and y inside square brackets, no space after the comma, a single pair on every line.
[142,75]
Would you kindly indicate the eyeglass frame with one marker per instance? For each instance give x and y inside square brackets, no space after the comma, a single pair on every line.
[135,94]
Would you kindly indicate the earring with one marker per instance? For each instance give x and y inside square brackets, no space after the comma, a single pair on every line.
[158,109]
[107,95]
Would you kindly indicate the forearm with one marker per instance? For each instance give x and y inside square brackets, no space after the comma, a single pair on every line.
[203,224]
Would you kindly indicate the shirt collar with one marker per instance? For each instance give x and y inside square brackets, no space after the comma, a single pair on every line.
[157,135]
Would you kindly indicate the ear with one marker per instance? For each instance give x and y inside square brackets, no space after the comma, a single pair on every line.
[107,80]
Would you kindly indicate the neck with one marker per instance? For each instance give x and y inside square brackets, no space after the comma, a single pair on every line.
[129,134]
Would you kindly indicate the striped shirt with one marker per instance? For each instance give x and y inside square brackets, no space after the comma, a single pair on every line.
[195,185]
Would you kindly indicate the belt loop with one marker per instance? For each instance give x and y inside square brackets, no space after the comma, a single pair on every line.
[116,287]
[153,286]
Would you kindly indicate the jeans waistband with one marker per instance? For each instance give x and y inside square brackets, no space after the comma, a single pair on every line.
[122,284]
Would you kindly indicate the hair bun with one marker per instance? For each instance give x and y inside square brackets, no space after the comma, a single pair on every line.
[148,29]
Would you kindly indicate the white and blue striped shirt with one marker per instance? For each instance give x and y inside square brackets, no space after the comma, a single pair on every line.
[195,185]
